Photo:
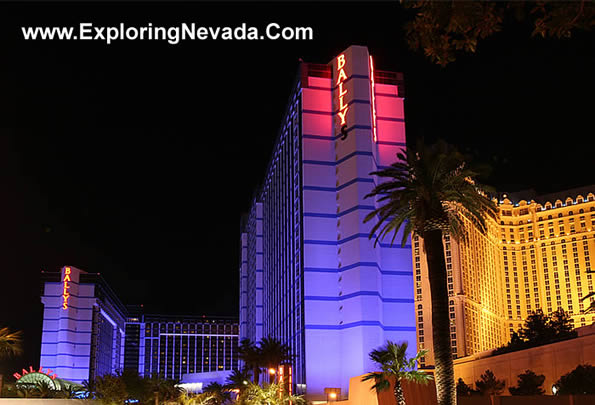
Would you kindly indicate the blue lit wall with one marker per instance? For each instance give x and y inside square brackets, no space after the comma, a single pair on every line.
[251,275]
[84,339]
[327,291]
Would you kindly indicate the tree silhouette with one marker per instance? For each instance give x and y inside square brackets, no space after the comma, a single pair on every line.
[430,192]
[393,361]
[488,384]
[529,383]
[579,381]
[443,29]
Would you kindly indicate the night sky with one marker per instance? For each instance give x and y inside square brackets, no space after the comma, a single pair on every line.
[137,159]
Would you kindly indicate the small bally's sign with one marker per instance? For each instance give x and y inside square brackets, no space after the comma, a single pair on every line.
[65,287]
[341,93]
[24,372]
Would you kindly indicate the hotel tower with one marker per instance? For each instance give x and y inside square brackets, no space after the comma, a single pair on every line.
[535,255]
[310,276]
[88,333]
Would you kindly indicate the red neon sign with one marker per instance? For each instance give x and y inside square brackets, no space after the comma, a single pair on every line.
[65,288]
[285,378]
[342,76]
[49,372]
[373,88]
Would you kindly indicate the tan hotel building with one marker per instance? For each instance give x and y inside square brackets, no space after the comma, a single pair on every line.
[537,254]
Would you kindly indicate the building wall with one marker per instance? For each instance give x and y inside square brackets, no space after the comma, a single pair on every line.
[535,255]
[82,335]
[356,295]
[329,292]
[553,361]
[177,346]
[283,307]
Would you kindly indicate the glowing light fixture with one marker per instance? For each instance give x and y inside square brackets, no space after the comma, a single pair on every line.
[342,76]
[373,90]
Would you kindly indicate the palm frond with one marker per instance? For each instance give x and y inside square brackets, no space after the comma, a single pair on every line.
[11,343]
[429,187]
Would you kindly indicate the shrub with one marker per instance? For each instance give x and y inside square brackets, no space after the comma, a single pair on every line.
[581,380]
[529,383]
[488,384]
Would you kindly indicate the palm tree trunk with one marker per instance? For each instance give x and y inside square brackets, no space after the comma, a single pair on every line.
[444,370]
[256,372]
[398,391]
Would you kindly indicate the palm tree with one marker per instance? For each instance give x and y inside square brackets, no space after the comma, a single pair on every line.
[272,354]
[196,399]
[11,344]
[430,192]
[89,389]
[220,394]
[393,361]
[270,394]
[110,389]
[249,353]
[238,379]
[164,389]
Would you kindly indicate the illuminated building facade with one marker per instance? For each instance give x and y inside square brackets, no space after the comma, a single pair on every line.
[174,346]
[309,274]
[83,325]
[535,255]
[87,332]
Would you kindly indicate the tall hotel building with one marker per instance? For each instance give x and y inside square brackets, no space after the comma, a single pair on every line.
[535,255]
[309,274]
[178,346]
[87,333]
[83,325]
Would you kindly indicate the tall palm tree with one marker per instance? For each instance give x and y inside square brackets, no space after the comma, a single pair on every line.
[249,353]
[11,344]
[393,361]
[238,379]
[272,354]
[430,192]
[219,393]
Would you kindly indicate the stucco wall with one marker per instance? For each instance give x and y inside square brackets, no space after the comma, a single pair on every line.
[360,393]
[553,361]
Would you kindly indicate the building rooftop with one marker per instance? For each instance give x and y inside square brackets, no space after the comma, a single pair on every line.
[531,194]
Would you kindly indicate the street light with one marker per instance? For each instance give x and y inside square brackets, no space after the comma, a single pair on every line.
[272,373]
[332,394]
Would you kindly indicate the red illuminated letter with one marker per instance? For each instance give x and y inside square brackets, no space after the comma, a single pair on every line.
[342,104]
[340,61]
[342,76]
[342,115]
[342,91]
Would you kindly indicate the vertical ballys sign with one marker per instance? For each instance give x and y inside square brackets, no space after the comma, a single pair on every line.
[65,287]
[342,92]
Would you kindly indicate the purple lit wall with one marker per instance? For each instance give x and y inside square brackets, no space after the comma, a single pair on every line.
[327,291]
[83,333]
[251,274]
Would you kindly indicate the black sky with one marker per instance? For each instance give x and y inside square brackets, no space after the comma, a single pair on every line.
[136,160]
